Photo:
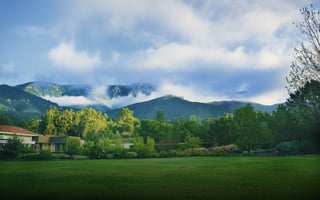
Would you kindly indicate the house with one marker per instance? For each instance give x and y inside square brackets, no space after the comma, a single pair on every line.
[8,132]
[52,143]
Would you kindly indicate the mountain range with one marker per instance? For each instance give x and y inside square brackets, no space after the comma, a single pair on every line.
[31,100]
[43,89]
[20,104]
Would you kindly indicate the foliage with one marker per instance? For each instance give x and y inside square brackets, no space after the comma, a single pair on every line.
[247,128]
[306,67]
[143,149]
[160,116]
[192,143]
[127,123]
[12,148]
[72,146]
[304,79]
[21,105]
[45,155]
[222,130]
[294,147]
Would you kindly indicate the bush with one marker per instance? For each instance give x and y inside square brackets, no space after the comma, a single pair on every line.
[45,155]
[96,152]
[131,154]
[294,147]
[12,148]
[201,151]
[166,146]
[224,150]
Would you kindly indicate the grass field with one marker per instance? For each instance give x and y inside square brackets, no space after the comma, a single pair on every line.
[175,178]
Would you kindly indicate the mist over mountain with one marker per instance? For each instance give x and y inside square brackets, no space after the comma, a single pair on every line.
[110,96]
[31,100]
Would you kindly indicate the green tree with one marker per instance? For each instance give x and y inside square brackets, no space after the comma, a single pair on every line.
[106,145]
[127,123]
[160,116]
[119,150]
[150,143]
[93,122]
[247,128]
[34,125]
[5,120]
[305,106]
[306,65]
[304,78]
[138,144]
[13,148]
[266,140]
[49,121]
[222,130]
[73,146]
[192,142]
[281,125]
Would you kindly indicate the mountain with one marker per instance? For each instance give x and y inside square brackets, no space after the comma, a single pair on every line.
[27,101]
[21,104]
[176,107]
[43,89]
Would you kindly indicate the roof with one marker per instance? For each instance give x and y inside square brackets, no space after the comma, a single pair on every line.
[16,130]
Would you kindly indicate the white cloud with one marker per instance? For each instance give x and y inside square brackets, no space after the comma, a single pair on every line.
[145,39]
[174,57]
[270,97]
[67,57]
[188,92]
[99,91]
[210,33]
[70,100]
[113,103]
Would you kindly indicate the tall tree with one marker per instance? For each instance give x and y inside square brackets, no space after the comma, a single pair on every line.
[192,142]
[222,130]
[73,146]
[282,124]
[304,78]
[127,123]
[305,106]
[247,128]
[306,65]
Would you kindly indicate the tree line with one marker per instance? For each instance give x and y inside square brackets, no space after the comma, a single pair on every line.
[247,128]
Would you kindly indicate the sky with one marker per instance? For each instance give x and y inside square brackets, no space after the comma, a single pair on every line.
[201,50]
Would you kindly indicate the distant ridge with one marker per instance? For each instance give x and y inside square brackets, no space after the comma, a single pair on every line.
[25,101]
[18,103]
[176,107]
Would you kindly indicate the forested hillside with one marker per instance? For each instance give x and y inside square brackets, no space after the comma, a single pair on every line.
[176,107]
[20,104]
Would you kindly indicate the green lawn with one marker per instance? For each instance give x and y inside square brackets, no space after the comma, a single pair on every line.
[175,178]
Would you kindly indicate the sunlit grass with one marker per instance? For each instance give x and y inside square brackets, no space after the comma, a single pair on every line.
[175,178]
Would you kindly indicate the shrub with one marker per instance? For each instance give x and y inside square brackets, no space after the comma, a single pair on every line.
[224,150]
[45,155]
[201,151]
[294,147]
[96,152]
[131,154]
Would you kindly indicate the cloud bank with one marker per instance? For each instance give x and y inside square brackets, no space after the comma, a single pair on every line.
[202,50]
[67,57]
